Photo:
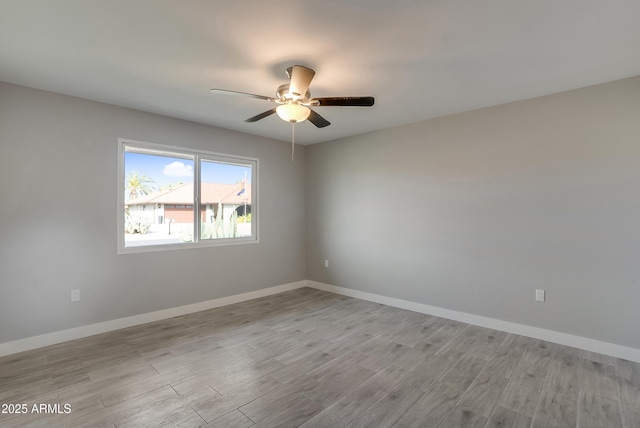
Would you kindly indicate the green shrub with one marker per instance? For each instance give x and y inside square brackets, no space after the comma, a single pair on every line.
[244,218]
[220,228]
[136,223]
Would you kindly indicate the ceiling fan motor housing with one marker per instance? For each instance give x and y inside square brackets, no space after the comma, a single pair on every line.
[283,94]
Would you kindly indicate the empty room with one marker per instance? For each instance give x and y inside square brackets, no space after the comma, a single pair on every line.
[319,214]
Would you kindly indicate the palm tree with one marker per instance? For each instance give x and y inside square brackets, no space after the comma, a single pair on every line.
[138,184]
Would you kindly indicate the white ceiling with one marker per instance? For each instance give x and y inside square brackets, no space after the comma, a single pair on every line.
[419,59]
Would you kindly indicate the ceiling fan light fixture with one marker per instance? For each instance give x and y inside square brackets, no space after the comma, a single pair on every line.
[293,99]
[292,112]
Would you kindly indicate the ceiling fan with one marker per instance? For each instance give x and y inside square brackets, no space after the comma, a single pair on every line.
[294,100]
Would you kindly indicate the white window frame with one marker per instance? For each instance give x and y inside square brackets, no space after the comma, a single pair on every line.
[197,156]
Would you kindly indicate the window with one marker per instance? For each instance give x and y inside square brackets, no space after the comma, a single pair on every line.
[170,197]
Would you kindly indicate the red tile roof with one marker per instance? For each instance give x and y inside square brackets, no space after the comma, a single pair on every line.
[211,193]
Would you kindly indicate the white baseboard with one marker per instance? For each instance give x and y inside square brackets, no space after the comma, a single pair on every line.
[618,351]
[34,342]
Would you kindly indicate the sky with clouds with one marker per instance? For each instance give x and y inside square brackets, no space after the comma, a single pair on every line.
[164,170]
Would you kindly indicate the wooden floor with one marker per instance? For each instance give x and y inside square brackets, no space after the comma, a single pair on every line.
[314,359]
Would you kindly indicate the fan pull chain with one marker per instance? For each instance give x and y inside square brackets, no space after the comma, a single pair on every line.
[293,136]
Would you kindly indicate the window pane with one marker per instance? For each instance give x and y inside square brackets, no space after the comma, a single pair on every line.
[174,198]
[225,200]
[158,197]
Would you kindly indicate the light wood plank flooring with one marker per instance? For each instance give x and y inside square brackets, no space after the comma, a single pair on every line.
[314,359]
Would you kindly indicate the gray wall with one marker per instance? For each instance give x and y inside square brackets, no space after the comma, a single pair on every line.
[58,161]
[473,212]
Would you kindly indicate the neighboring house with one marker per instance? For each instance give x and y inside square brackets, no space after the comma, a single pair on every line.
[176,204]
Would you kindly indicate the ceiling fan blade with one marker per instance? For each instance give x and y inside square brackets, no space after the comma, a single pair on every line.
[261,115]
[300,80]
[244,94]
[318,120]
[343,101]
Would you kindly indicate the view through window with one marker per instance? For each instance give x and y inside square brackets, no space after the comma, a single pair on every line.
[177,197]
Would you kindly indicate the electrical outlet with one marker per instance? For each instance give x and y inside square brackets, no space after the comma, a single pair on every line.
[75,295]
[326,263]
[539,295]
